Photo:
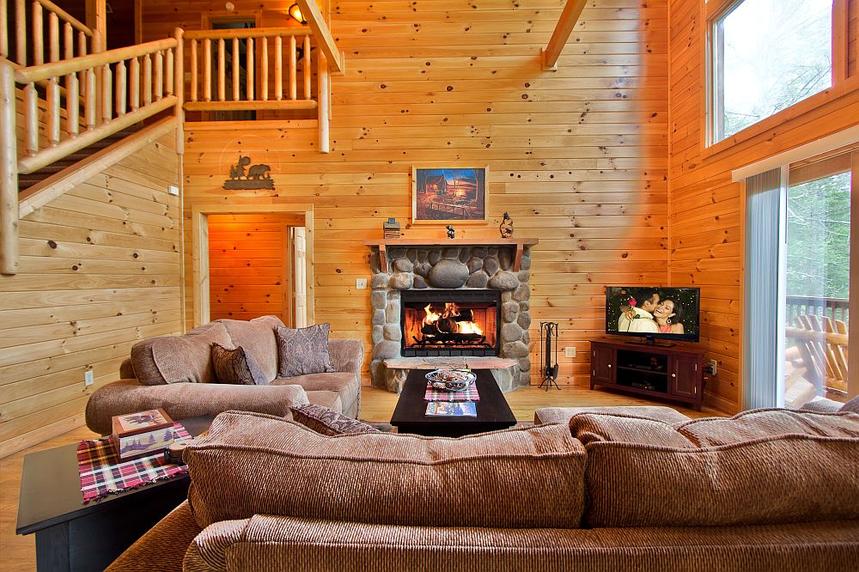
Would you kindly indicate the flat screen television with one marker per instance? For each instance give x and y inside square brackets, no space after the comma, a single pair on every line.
[653,312]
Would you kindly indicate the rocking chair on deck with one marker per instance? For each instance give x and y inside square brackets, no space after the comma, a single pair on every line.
[822,346]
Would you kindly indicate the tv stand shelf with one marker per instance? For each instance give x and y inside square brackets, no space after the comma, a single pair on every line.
[675,373]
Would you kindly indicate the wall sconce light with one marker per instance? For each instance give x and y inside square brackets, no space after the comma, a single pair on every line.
[295,13]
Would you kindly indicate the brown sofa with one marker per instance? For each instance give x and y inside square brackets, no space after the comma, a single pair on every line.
[175,373]
[766,490]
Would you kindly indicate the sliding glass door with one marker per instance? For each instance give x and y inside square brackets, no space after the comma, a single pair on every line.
[801,264]
[817,281]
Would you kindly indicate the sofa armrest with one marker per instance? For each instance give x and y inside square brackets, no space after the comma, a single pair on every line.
[183,400]
[163,547]
[822,405]
[346,355]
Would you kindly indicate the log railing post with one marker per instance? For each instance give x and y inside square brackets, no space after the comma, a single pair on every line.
[236,63]
[307,67]
[222,72]
[8,171]
[263,68]
[20,32]
[323,99]
[193,70]
[250,68]
[179,91]
[293,88]
[278,67]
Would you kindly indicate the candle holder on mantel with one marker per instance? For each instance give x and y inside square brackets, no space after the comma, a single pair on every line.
[549,355]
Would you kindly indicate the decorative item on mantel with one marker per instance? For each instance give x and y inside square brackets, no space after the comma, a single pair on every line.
[451,232]
[256,177]
[506,226]
[548,351]
[391,228]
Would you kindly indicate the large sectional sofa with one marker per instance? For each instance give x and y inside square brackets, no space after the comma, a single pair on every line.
[616,489]
[176,374]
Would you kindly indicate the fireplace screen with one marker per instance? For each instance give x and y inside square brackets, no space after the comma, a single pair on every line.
[450,322]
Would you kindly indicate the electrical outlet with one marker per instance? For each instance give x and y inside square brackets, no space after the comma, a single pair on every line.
[360,283]
[173,190]
[713,367]
[570,351]
[89,377]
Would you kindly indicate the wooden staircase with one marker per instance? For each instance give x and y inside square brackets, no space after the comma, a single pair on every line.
[27,181]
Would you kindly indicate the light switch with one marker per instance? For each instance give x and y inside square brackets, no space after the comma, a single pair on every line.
[360,283]
[89,378]
[570,351]
[173,190]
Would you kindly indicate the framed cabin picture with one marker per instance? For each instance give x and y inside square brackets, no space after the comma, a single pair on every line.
[448,195]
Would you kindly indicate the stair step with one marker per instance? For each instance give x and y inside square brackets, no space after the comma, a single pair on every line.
[27,181]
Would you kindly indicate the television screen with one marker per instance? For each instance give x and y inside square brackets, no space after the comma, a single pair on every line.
[657,312]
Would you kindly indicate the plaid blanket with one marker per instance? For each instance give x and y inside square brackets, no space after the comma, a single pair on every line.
[102,473]
[433,394]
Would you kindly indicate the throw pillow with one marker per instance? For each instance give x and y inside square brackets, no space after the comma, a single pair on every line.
[329,422]
[303,351]
[236,366]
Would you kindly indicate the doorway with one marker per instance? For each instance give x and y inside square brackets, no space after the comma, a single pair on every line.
[250,262]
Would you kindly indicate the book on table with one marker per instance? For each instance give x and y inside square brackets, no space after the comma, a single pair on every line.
[451,409]
[142,433]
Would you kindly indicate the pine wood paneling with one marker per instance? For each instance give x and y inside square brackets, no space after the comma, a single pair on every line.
[705,206]
[99,271]
[249,266]
[578,157]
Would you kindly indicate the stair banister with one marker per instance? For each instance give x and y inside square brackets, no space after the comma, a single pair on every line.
[8,171]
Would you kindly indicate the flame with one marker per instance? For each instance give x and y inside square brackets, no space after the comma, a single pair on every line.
[450,310]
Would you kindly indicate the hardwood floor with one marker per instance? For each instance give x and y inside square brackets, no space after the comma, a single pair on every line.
[18,552]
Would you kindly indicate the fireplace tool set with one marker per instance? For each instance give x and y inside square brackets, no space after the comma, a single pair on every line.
[548,354]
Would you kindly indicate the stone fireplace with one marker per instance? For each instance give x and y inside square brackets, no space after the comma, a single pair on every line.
[457,303]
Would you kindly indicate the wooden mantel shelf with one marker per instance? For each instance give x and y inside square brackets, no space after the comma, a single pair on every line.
[453,242]
[519,243]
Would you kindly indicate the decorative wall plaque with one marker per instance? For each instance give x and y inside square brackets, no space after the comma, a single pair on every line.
[247,177]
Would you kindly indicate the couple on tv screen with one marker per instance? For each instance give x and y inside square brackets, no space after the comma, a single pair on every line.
[656,312]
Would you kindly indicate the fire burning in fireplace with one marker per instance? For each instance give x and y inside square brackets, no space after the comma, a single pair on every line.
[440,327]
[450,321]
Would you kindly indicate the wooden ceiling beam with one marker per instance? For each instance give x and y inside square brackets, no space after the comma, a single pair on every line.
[310,11]
[566,23]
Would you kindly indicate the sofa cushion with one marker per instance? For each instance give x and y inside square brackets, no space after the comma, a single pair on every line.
[175,359]
[303,351]
[341,382]
[236,366]
[760,467]
[563,414]
[329,422]
[258,338]
[255,464]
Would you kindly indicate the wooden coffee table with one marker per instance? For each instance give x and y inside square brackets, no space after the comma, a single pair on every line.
[71,535]
[493,412]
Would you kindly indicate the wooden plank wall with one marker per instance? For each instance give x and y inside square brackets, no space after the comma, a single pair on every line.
[705,206]
[578,157]
[99,271]
[248,265]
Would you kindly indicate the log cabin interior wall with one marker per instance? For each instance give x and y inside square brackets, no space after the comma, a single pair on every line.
[249,270]
[99,270]
[578,157]
[705,206]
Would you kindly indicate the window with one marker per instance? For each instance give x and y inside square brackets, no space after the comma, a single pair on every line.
[765,56]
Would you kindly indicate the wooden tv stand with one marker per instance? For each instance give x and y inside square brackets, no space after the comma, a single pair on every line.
[675,373]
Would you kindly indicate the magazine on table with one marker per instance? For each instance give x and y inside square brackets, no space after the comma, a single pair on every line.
[451,409]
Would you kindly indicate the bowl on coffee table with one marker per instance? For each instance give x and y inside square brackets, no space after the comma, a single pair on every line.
[450,379]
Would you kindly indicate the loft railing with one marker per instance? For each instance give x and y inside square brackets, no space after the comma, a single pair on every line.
[835,308]
[257,69]
[67,37]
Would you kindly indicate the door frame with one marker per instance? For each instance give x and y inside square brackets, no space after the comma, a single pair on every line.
[200,287]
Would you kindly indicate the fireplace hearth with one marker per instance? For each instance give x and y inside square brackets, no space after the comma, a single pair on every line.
[450,322]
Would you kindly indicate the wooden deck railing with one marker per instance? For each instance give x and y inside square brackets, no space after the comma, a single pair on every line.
[68,37]
[835,308]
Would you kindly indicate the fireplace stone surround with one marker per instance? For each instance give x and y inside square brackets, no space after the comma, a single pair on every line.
[402,264]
